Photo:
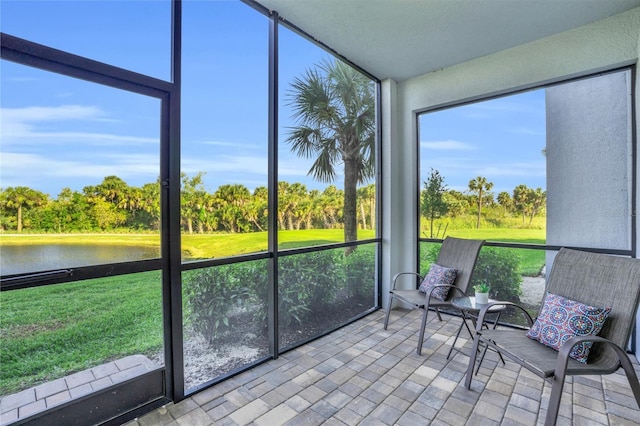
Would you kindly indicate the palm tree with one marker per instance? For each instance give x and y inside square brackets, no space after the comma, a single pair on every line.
[257,209]
[231,201]
[21,198]
[504,199]
[335,109]
[367,203]
[478,186]
[151,203]
[521,200]
[191,196]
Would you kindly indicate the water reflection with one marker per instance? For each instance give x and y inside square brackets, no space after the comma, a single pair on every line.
[33,258]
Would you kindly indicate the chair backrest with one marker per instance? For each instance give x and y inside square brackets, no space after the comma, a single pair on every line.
[604,281]
[462,255]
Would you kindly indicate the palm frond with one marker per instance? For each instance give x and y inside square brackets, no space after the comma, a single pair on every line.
[323,168]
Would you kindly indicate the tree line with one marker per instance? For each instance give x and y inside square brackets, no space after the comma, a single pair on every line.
[114,205]
[439,202]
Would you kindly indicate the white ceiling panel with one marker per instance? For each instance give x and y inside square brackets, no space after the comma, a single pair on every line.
[400,39]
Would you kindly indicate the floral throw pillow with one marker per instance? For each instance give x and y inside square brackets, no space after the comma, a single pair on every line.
[561,319]
[438,275]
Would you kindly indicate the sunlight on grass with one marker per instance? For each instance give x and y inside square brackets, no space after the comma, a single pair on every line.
[49,332]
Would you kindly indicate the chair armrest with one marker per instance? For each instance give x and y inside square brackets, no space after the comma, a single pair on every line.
[396,276]
[486,308]
[565,349]
[451,286]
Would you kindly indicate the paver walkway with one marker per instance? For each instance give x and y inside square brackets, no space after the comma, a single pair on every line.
[39,398]
[364,375]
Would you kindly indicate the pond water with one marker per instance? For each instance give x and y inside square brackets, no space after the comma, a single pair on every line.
[34,258]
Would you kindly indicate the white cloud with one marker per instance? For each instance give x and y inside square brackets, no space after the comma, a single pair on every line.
[225,163]
[42,173]
[514,169]
[528,131]
[21,125]
[228,144]
[63,112]
[447,145]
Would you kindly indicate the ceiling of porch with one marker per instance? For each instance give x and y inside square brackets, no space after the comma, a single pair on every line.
[406,38]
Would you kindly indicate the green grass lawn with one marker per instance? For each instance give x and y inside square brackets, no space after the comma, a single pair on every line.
[531,261]
[49,332]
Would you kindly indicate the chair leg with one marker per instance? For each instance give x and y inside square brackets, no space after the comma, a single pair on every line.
[386,319]
[631,377]
[472,361]
[438,314]
[422,328]
[554,399]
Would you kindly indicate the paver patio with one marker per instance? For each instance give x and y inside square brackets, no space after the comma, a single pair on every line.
[364,375]
[39,398]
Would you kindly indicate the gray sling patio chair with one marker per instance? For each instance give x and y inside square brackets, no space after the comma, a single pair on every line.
[460,254]
[593,279]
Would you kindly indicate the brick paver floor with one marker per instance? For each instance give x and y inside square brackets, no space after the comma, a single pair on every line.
[44,396]
[364,375]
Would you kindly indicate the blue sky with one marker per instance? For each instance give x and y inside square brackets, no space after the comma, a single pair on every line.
[59,132]
[500,139]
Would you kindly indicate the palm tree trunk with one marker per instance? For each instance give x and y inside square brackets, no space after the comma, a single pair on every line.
[372,204]
[350,197]
[19,224]
[479,207]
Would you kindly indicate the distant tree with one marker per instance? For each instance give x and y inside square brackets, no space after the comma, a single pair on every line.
[18,199]
[521,200]
[114,190]
[299,206]
[151,203]
[457,202]
[191,199]
[107,215]
[478,186]
[536,199]
[304,208]
[317,214]
[69,212]
[230,207]
[367,203]
[331,202]
[258,208]
[285,202]
[434,204]
[504,199]
[335,108]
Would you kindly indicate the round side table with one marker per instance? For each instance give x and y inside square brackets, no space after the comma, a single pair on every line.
[470,310]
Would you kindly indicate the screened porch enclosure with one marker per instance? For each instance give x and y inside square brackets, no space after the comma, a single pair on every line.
[235,272]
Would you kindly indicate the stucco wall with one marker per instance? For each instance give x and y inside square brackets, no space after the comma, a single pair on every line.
[588,163]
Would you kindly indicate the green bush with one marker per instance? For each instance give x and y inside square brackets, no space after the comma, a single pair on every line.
[308,285]
[210,295]
[311,285]
[498,267]
[360,272]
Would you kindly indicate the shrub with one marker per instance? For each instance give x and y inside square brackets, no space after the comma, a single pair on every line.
[210,295]
[360,274]
[499,267]
[311,285]
[308,285]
